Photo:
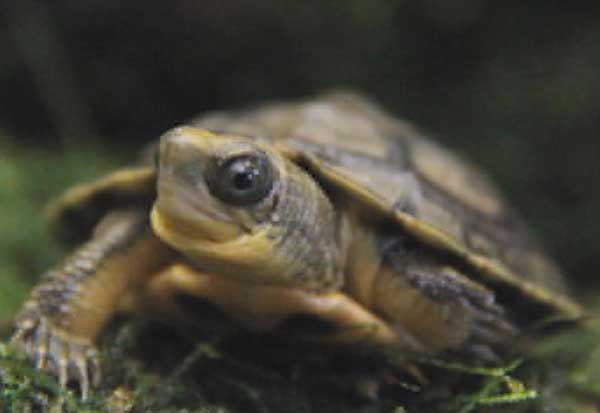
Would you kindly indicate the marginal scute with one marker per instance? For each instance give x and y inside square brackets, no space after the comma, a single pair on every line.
[76,212]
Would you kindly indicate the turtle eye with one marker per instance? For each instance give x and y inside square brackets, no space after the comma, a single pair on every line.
[241,180]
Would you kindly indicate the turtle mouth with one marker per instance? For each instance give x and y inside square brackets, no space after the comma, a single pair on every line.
[190,212]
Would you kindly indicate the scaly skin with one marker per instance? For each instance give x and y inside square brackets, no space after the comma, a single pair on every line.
[59,324]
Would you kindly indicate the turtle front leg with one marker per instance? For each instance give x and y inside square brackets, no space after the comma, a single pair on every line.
[59,324]
[263,307]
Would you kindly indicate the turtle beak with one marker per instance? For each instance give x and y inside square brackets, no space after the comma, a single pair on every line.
[184,203]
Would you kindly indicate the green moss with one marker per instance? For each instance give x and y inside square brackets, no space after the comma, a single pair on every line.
[23,388]
[156,365]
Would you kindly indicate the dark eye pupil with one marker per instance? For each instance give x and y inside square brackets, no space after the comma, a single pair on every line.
[241,180]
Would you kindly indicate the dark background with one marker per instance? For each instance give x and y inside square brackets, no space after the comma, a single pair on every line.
[512,84]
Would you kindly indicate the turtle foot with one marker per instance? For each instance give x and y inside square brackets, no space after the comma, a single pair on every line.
[71,359]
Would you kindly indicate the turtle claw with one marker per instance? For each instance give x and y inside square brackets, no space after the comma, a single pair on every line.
[69,358]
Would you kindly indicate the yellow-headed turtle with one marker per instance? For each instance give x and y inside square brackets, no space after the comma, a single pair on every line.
[328,208]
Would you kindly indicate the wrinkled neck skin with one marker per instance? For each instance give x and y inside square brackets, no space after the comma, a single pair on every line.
[300,242]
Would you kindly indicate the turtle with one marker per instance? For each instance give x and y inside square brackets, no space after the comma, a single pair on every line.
[327,207]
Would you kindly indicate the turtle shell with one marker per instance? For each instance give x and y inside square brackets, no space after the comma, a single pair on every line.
[400,178]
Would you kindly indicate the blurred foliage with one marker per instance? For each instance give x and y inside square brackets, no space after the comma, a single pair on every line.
[29,177]
[511,84]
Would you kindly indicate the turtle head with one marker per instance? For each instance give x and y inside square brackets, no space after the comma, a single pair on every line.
[238,208]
